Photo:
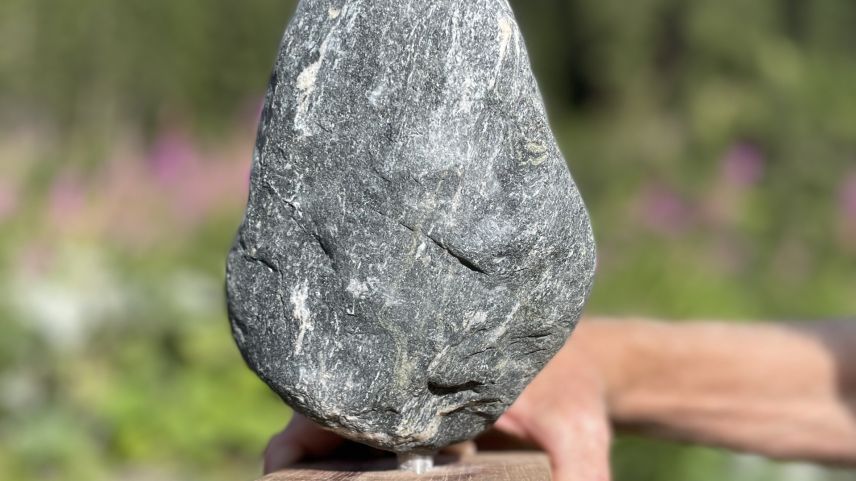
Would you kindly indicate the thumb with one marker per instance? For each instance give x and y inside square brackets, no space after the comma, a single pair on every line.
[579,451]
[300,439]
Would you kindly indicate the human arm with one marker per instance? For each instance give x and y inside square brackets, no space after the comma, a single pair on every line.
[781,390]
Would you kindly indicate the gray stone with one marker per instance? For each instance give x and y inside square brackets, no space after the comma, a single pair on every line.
[414,249]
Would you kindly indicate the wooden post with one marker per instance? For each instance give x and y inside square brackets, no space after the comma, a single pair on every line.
[487,466]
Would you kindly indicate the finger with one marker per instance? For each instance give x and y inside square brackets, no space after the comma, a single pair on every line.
[300,439]
[510,425]
[466,448]
[498,440]
[581,452]
[280,453]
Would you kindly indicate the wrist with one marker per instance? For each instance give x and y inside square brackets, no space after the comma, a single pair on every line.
[630,357]
[600,343]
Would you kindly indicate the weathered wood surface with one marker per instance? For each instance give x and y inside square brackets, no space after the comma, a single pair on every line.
[495,466]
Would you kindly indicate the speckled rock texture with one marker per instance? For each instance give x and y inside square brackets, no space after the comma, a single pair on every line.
[414,249]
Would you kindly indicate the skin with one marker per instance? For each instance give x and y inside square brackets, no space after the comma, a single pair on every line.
[779,390]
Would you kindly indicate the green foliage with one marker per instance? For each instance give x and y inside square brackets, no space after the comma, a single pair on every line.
[714,142]
[97,61]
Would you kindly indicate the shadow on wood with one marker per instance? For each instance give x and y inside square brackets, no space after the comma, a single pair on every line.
[490,466]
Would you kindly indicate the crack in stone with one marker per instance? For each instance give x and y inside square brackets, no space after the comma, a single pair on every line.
[451,251]
[242,244]
[260,260]
[476,353]
[324,247]
[465,261]
[440,389]
[475,404]
[295,212]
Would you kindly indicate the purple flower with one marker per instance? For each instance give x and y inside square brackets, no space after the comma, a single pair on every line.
[743,165]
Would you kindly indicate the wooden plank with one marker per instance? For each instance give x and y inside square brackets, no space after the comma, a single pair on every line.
[490,466]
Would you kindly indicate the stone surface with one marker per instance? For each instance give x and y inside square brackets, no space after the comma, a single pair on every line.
[414,249]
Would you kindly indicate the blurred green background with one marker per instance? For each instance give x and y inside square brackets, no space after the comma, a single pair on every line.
[713,140]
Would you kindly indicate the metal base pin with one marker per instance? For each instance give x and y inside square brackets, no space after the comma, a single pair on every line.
[415,462]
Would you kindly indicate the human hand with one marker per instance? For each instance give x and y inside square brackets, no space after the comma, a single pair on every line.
[563,411]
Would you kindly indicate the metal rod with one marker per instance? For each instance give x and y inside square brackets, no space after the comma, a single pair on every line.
[415,462]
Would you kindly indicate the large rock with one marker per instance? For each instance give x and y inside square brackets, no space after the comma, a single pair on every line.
[414,249]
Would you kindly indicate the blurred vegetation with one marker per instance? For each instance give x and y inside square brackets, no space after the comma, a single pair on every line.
[714,142]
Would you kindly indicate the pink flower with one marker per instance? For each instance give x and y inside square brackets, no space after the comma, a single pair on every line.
[743,165]
[67,199]
[847,199]
[663,210]
[9,198]
[172,153]
[847,210]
